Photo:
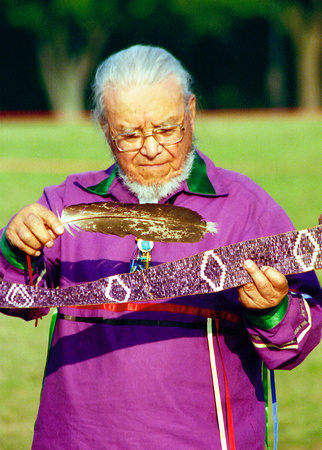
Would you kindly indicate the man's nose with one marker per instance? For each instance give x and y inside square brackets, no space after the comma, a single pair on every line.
[151,148]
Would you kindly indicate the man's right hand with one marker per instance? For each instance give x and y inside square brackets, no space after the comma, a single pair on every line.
[33,228]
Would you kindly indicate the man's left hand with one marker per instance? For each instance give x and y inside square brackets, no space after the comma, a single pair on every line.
[268,289]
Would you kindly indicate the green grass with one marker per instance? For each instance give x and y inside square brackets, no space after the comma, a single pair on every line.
[281,153]
[23,355]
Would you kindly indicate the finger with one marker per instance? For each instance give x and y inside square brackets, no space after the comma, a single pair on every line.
[52,222]
[35,232]
[250,297]
[44,224]
[267,290]
[24,240]
[276,278]
[34,227]
[47,217]
[261,282]
[249,301]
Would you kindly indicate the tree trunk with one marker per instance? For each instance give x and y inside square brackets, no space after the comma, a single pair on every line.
[307,39]
[309,54]
[66,76]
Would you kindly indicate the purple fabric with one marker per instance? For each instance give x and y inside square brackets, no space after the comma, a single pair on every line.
[143,379]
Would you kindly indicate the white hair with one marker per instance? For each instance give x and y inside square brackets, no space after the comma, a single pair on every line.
[156,192]
[136,66]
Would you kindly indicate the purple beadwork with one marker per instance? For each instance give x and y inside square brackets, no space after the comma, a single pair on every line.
[213,271]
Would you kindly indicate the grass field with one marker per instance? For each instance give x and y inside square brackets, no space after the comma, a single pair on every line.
[282,153]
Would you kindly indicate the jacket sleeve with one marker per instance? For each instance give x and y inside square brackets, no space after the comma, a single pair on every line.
[13,262]
[13,269]
[283,336]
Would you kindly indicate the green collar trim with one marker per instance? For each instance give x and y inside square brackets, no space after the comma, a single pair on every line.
[103,187]
[198,181]
[271,319]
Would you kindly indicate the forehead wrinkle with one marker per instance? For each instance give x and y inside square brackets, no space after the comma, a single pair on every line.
[173,119]
[144,107]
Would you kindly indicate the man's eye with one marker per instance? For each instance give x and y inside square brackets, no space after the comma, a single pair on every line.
[130,136]
[128,139]
[166,131]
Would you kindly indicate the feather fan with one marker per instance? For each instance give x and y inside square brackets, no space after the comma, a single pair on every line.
[153,222]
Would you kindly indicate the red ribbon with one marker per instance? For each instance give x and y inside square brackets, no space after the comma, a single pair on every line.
[165,307]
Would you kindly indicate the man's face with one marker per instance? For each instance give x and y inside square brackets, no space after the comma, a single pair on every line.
[145,108]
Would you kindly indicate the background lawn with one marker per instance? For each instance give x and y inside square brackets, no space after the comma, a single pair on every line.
[281,152]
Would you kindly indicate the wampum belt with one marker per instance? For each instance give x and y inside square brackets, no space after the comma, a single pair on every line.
[211,271]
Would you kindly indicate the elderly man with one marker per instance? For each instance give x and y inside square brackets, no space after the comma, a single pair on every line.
[144,376]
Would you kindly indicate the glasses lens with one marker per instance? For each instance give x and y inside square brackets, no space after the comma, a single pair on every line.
[168,136]
[164,136]
[129,143]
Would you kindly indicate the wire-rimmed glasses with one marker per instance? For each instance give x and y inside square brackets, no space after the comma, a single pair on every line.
[134,141]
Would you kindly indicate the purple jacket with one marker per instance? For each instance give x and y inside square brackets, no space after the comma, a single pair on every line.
[141,379]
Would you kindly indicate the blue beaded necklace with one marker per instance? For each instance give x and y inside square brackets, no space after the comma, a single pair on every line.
[141,256]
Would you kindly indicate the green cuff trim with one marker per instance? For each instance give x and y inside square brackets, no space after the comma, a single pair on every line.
[14,256]
[271,319]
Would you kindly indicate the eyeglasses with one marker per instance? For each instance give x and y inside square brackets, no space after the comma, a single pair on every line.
[167,135]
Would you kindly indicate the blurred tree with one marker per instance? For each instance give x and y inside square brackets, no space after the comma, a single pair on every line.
[71,36]
[301,20]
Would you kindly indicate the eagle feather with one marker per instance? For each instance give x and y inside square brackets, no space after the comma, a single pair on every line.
[150,221]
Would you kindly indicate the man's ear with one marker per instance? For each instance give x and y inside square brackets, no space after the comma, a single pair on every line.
[106,130]
[192,109]
[104,125]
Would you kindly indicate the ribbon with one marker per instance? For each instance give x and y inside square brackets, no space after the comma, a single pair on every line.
[213,271]
[274,404]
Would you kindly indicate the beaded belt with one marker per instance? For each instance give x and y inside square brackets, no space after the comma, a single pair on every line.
[203,273]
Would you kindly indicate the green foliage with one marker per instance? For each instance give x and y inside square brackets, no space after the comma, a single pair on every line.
[142,9]
[216,17]
[47,18]
[71,35]
[205,16]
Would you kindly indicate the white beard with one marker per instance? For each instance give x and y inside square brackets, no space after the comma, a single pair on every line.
[154,193]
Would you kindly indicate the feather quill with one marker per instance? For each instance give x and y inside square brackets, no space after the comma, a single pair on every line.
[152,222]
